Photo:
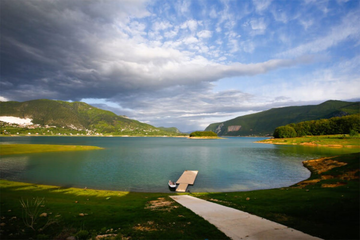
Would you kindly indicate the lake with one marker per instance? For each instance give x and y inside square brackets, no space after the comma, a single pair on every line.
[147,164]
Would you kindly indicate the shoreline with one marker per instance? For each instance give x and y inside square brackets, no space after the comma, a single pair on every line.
[329,141]
[205,138]
[125,136]
[149,192]
[98,148]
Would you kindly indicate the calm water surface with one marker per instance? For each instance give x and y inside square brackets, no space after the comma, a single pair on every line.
[146,164]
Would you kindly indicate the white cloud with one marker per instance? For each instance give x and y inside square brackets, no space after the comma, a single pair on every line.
[348,29]
[306,23]
[204,34]
[171,34]
[248,46]
[183,7]
[258,25]
[261,5]
[213,13]
[159,26]
[280,16]
[190,24]
[190,40]
[196,104]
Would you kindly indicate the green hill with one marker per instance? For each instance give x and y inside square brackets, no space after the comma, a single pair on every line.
[264,123]
[170,129]
[77,116]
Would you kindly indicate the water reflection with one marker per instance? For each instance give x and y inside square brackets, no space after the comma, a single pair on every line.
[12,167]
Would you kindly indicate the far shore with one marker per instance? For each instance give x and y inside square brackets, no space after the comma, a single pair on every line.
[330,141]
[125,136]
[205,138]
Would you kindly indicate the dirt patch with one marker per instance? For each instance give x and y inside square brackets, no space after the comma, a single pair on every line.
[106,236]
[148,227]
[323,164]
[309,144]
[160,205]
[327,185]
[307,182]
[351,175]
[326,177]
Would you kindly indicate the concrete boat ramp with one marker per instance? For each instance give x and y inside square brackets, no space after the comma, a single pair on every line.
[237,224]
[187,178]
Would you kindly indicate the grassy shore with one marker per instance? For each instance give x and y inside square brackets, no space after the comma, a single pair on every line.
[336,141]
[326,205]
[8,149]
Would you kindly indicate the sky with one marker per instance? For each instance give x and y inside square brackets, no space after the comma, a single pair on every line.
[181,63]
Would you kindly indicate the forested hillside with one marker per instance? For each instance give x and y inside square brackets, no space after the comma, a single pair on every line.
[337,125]
[264,123]
[78,116]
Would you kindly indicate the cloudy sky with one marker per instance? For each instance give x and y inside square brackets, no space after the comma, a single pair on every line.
[181,63]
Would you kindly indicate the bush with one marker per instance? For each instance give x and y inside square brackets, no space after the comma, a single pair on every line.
[354,133]
[284,132]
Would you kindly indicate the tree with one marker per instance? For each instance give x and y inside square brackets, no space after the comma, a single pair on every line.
[285,132]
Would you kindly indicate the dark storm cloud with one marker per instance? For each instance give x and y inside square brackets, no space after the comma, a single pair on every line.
[48,48]
[72,50]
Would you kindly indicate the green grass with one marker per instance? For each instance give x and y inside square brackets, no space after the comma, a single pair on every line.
[7,149]
[339,140]
[128,214]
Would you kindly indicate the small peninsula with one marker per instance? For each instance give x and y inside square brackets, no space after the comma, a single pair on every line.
[8,149]
[203,135]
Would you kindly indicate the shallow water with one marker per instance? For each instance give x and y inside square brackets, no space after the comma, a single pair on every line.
[146,164]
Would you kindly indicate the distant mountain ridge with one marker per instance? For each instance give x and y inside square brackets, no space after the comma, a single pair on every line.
[170,129]
[264,123]
[79,116]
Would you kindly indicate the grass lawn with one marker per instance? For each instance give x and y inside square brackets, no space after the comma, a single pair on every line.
[7,149]
[97,212]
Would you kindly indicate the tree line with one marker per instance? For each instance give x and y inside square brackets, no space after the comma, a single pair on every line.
[349,124]
[203,134]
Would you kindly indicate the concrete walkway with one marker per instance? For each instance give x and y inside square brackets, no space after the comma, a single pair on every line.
[237,224]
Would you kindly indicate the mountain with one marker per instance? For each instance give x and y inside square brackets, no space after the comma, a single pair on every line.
[170,129]
[78,116]
[264,123]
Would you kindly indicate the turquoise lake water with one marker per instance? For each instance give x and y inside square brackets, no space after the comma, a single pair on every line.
[147,164]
